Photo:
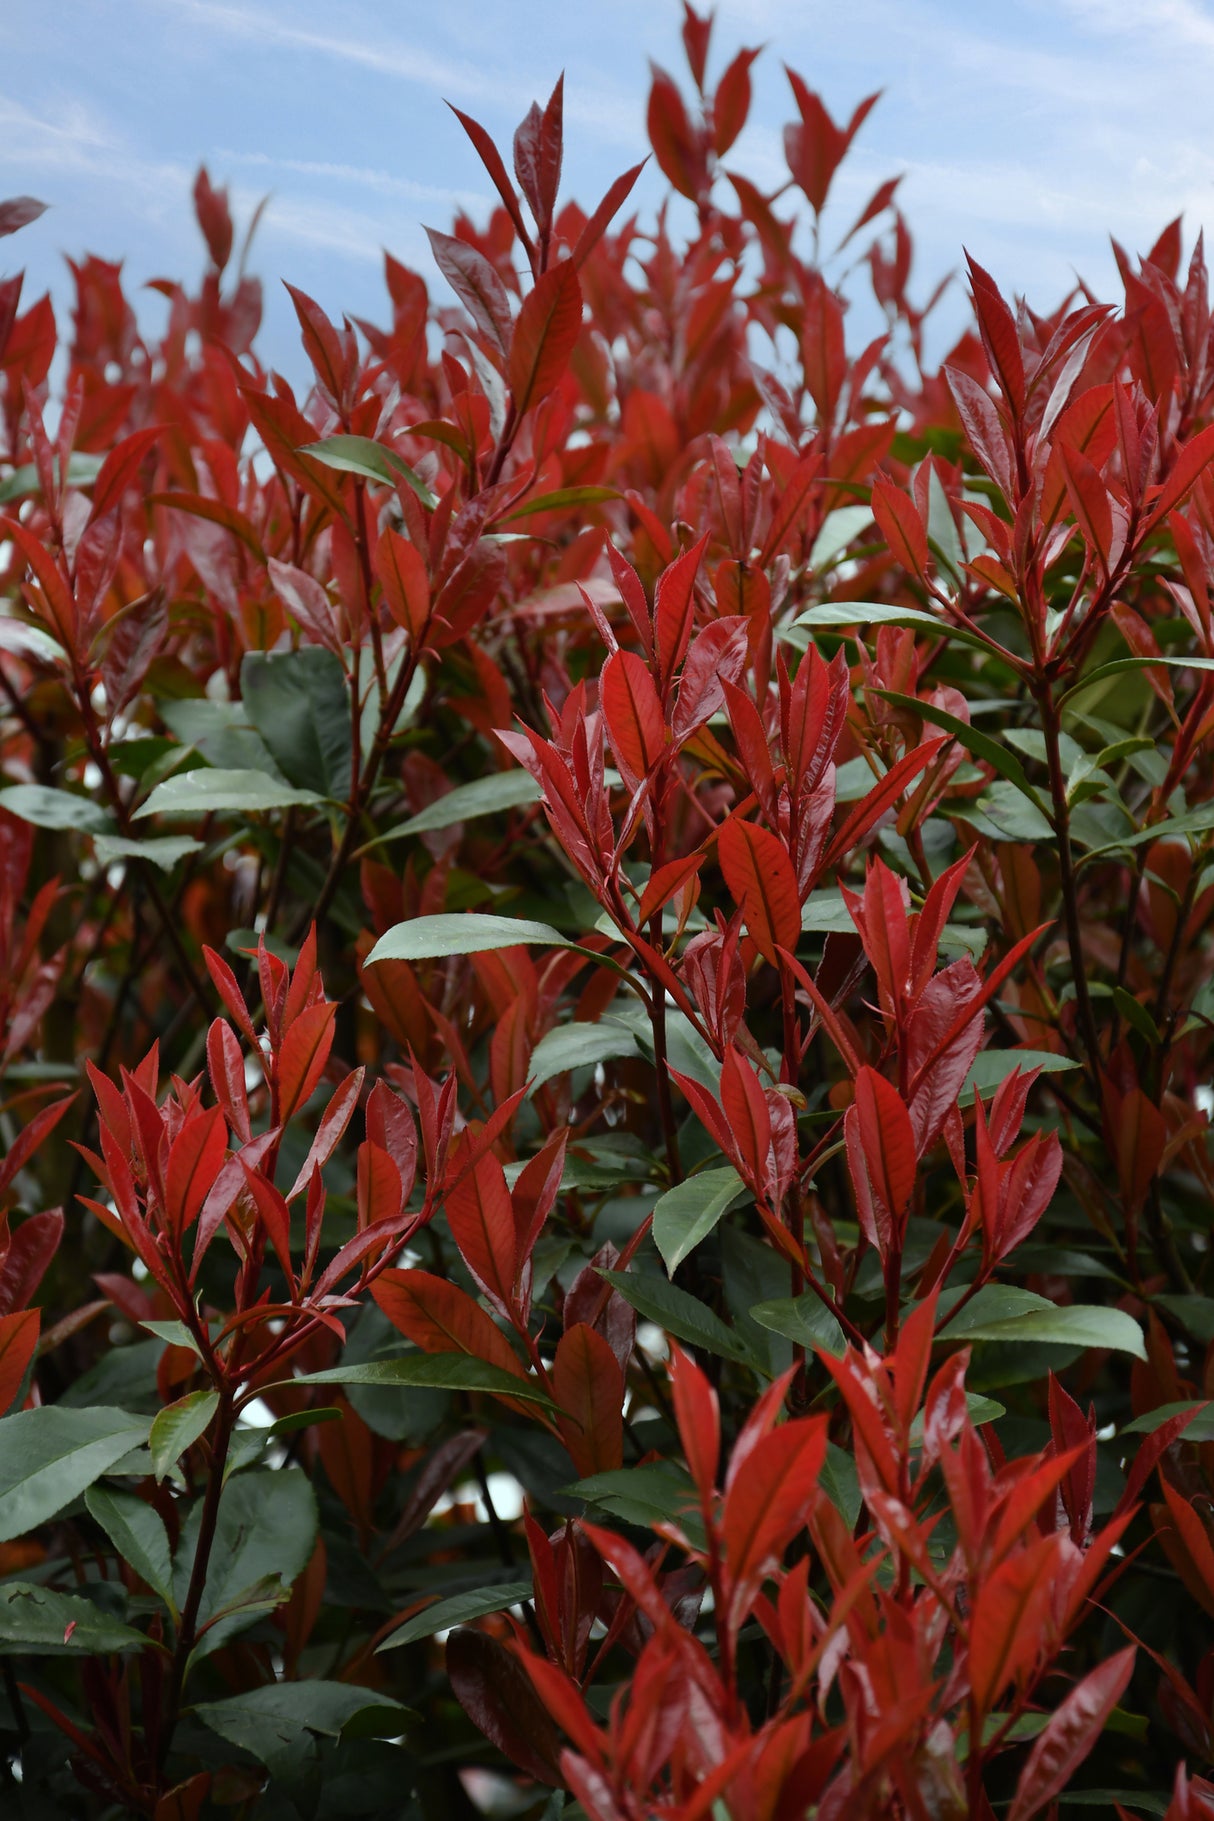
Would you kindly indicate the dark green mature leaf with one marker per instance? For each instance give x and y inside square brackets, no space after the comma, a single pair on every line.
[440,1371]
[50,1455]
[679,1314]
[832,616]
[483,797]
[564,496]
[575,1046]
[164,851]
[371,461]
[136,1529]
[272,1722]
[653,1493]
[47,808]
[992,1067]
[982,745]
[462,933]
[264,1538]
[46,1624]
[299,702]
[459,1609]
[223,793]
[688,1213]
[178,1426]
[802,1319]
[1003,1312]
[1201,1429]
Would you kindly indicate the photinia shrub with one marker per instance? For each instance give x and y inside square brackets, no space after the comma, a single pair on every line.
[607,954]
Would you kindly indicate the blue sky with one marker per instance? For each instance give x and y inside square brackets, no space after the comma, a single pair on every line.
[1028,131]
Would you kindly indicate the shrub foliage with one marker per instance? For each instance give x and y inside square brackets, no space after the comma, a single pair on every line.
[607,1047]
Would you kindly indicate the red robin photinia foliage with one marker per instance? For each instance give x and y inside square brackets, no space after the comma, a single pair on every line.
[608,975]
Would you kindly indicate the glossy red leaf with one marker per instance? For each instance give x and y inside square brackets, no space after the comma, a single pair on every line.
[195,1158]
[18,1339]
[763,885]
[302,1059]
[548,326]
[589,1387]
[1069,1735]
[481,1219]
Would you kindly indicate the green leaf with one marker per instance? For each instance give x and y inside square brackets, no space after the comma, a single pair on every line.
[136,1529]
[1002,1312]
[991,1068]
[173,1334]
[82,471]
[575,1046]
[979,1409]
[832,615]
[564,496]
[982,745]
[371,461]
[1196,1312]
[840,528]
[483,797]
[178,1427]
[163,851]
[444,1615]
[824,913]
[644,1496]
[679,1314]
[462,933]
[208,791]
[50,1455]
[47,808]
[841,1483]
[686,1214]
[1118,666]
[272,1722]
[221,732]
[29,641]
[1201,1429]
[264,1538]
[299,702]
[1003,814]
[802,1319]
[439,1371]
[60,1624]
[1197,821]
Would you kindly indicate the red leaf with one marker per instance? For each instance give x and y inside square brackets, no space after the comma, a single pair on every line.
[302,1059]
[31,1248]
[633,715]
[1008,1627]
[1090,502]
[767,1504]
[762,882]
[1000,337]
[548,325]
[120,468]
[491,158]
[1070,1734]
[537,157]
[698,1414]
[673,605]
[18,1339]
[379,1186]
[675,141]
[225,1061]
[880,1154]
[477,286]
[195,1160]
[731,103]
[481,1218]
[599,222]
[589,1387]
[18,212]
[441,1318]
[401,570]
[496,1693]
